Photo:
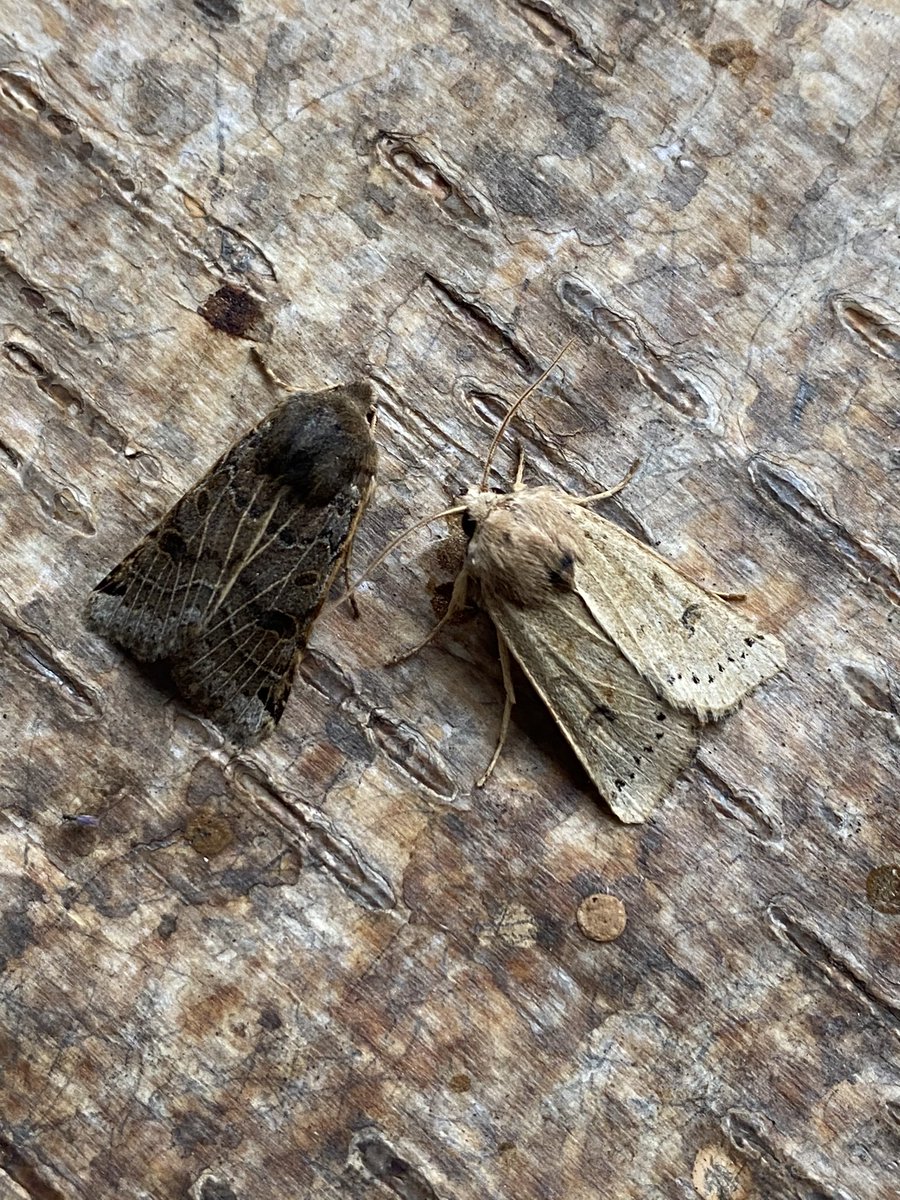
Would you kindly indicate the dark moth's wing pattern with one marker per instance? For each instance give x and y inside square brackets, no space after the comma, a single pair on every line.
[225,589]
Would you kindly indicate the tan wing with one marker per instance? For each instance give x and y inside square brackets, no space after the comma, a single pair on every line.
[697,651]
[632,744]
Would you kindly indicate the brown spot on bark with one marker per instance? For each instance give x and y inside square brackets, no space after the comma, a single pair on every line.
[208,833]
[737,55]
[233,310]
[883,889]
[601,917]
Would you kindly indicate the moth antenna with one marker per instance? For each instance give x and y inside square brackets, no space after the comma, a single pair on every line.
[517,403]
[614,490]
[390,548]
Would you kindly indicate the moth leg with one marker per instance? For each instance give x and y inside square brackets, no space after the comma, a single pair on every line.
[613,491]
[508,702]
[457,601]
[731,597]
[520,469]
[349,592]
[274,380]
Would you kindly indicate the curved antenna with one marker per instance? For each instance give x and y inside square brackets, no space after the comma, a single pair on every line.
[390,548]
[512,412]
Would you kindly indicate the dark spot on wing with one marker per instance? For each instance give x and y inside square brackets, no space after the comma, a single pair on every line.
[689,617]
[277,622]
[113,585]
[562,575]
[173,544]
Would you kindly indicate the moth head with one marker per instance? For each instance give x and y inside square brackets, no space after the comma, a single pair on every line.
[478,504]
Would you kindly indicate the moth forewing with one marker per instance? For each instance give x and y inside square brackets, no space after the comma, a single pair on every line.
[631,743]
[226,587]
[695,649]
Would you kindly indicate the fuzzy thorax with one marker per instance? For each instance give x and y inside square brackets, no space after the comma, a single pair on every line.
[519,547]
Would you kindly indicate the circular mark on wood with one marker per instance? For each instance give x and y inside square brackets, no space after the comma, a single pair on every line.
[883,889]
[601,917]
[208,833]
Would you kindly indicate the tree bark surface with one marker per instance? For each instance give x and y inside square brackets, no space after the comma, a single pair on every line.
[330,966]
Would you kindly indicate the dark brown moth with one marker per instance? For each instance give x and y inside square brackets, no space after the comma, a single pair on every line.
[224,591]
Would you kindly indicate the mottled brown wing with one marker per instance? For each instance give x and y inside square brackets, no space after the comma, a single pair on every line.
[632,744]
[226,587]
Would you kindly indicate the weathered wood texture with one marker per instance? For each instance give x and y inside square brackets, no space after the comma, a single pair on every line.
[329,967]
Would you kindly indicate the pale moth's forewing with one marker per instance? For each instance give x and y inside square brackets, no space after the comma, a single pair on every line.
[226,587]
[632,744]
[698,651]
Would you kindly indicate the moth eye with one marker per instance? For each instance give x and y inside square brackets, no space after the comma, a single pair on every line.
[287,537]
[469,524]
[173,544]
[660,716]
[277,622]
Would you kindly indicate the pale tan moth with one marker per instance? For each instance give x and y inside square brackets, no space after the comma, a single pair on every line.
[626,652]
